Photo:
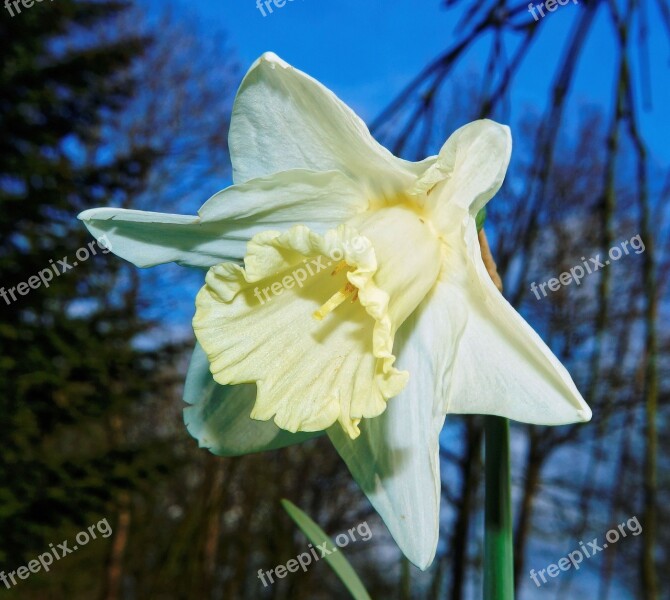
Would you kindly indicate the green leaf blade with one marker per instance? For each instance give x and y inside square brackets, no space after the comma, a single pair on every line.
[336,559]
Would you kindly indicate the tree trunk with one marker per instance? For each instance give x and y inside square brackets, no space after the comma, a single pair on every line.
[114,572]
[459,541]
[533,469]
[214,492]
[649,516]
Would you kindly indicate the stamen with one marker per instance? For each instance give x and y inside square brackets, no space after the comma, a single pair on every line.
[335,300]
[340,266]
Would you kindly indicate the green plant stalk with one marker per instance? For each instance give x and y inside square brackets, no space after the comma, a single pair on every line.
[498,534]
[337,562]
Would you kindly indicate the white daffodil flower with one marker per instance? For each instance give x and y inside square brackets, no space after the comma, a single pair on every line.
[348,286]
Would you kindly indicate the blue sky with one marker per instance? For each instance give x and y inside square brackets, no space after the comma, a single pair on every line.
[367,50]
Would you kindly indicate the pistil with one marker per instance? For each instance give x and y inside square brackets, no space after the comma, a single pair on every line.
[335,300]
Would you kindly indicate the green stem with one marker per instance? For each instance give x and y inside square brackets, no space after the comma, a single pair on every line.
[498,548]
[405,580]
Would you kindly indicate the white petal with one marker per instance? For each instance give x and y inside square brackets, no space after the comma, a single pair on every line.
[467,351]
[395,460]
[219,416]
[283,119]
[229,219]
[468,171]
[502,367]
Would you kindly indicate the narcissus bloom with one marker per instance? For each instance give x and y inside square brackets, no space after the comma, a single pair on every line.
[346,292]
